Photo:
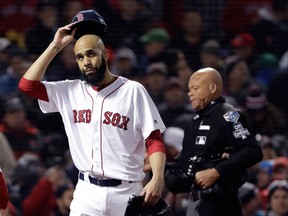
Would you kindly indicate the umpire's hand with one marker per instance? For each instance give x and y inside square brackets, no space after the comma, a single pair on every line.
[205,178]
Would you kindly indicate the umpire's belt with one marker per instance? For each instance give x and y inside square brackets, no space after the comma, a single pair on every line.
[102,182]
[200,194]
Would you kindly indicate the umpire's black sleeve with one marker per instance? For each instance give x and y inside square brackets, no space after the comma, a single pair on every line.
[248,151]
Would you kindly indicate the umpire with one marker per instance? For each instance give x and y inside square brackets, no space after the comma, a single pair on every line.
[217,135]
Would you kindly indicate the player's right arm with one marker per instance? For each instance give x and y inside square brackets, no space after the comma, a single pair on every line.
[30,82]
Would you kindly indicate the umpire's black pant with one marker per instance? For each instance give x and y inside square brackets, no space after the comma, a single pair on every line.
[225,204]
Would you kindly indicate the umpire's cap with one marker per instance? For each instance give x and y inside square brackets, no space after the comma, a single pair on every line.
[89,22]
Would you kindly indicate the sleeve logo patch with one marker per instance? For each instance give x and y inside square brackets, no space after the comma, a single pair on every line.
[240,132]
[232,116]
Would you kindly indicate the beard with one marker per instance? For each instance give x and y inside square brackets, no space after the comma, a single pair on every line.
[97,76]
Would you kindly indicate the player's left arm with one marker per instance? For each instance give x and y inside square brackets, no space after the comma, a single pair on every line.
[157,158]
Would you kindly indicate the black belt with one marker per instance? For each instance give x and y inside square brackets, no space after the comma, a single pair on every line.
[200,194]
[102,182]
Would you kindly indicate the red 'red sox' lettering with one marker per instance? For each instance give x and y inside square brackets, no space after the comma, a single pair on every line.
[82,116]
[116,120]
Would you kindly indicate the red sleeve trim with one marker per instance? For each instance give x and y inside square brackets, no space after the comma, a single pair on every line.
[33,88]
[155,143]
[4,197]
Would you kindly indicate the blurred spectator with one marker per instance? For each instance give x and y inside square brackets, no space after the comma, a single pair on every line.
[16,17]
[262,116]
[264,177]
[183,70]
[22,136]
[155,43]
[46,192]
[238,16]
[174,104]
[173,137]
[64,196]
[65,68]
[7,159]
[173,59]
[268,150]
[277,203]
[18,64]
[107,7]
[191,37]
[31,106]
[211,55]
[250,200]
[243,48]
[28,170]
[280,144]
[212,12]
[271,30]
[266,68]
[280,168]
[172,14]
[237,78]
[4,54]
[125,63]
[54,149]
[126,24]
[38,37]
[68,9]
[155,80]
[277,91]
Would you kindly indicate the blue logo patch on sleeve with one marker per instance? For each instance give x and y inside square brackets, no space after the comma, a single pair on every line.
[231,116]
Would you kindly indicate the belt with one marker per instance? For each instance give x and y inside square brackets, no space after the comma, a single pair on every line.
[200,194]
[103,182]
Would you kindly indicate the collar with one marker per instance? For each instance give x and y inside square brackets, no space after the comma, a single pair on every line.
[207,109]
[100,87]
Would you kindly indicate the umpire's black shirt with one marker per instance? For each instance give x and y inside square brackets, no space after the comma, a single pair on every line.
[216,126]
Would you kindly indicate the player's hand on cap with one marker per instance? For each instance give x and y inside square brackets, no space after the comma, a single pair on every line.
[153,191]
[64,36]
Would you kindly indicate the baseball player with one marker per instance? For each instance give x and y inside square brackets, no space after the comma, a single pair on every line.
[109,122]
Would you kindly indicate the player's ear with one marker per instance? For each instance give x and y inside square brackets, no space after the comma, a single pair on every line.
[106,54]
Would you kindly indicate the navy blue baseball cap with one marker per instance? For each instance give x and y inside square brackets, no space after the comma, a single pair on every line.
[89,22]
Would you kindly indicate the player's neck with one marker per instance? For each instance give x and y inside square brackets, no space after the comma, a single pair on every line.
[110,78]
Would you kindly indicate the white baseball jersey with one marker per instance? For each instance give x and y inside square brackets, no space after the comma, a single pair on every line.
[106,129]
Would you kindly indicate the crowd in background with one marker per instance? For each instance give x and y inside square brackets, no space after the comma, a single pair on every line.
[159,44]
